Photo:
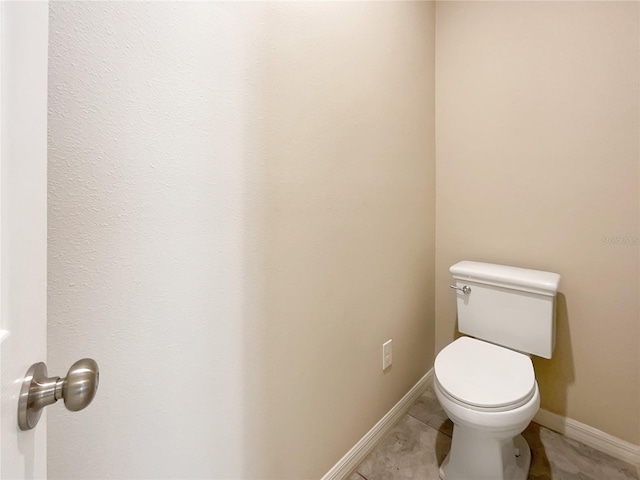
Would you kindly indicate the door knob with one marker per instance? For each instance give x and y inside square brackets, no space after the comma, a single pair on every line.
[38,390]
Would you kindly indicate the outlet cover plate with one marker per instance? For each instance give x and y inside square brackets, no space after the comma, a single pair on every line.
[387,354]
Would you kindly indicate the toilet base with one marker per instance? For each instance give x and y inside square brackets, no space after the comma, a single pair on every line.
[517,470]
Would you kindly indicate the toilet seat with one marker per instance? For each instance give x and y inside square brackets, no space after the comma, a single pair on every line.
[484,376]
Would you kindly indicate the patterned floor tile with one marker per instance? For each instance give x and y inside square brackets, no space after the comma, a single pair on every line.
[410,451]
[415,448]
[559,458]
[428,410]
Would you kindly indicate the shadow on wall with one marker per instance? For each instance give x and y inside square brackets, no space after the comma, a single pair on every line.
[556,374]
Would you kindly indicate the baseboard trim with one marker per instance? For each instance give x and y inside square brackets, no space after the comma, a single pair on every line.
[366,444]
[592,437]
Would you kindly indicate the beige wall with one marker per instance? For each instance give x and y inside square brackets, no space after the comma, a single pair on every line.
[347,212]
[537,166]
[241,211]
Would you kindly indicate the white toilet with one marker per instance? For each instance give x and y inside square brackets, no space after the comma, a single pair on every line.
[485,382]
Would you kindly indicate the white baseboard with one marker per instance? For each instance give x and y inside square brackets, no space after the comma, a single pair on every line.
[366,444]
[592,437]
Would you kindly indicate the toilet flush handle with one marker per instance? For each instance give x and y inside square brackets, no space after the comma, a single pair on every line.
[466,289]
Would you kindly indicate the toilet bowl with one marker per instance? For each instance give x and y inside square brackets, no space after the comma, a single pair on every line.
[485,381]
[490,395]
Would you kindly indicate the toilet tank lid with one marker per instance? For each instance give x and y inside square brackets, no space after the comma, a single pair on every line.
[535,281]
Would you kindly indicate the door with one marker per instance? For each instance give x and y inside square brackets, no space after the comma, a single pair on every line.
[23,226]
[180,316]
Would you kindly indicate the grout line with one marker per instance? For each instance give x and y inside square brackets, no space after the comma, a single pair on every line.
[360,475]
[413,416]
[430,426]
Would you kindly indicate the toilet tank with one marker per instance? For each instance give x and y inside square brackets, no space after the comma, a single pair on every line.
[509,306]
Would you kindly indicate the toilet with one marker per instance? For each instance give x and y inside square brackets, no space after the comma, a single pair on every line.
[485,380]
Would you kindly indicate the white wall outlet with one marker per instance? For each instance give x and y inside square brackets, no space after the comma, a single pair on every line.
[387,354]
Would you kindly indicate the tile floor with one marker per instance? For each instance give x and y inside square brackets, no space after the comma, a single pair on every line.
[415,447]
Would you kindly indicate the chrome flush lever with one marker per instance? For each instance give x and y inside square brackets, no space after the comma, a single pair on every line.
[466,289]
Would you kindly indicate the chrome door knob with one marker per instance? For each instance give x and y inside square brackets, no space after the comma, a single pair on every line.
[78,390]
[80,385]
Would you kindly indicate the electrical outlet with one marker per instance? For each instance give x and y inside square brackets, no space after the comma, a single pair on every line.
[387,354]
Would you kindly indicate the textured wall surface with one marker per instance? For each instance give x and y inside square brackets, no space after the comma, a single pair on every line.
[241,210]
[146,202]
[537,166]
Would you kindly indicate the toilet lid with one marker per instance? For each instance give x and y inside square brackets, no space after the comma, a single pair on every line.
[484,375]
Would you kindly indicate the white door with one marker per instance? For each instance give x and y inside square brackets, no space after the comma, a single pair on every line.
[23,226]
[195,296]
